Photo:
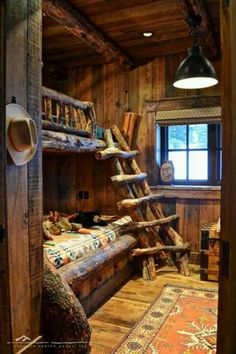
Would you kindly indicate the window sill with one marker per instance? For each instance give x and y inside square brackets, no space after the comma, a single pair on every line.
[188,192]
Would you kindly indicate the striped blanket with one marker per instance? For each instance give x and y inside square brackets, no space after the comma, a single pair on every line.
[72,245]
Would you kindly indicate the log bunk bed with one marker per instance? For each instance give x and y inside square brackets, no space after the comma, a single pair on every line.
[69,126]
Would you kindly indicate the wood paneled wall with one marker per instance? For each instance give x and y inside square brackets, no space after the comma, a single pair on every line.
[65,176]
[114,92]
[195,206]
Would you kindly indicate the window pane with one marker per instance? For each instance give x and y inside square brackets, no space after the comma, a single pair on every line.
[177,137]
[179,161]
[198,136]
[198,165]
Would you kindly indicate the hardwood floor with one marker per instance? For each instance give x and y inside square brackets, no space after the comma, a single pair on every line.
[113,320]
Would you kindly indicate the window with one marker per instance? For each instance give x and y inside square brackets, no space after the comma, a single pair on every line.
[195,151]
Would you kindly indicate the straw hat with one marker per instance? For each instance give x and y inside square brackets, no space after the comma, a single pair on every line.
[21,134]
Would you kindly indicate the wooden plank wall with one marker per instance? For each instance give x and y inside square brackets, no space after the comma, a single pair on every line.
[114,92]
[75,173]
[195,207]
[22,197]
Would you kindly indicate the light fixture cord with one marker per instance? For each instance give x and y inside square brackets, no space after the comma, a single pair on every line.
[194,21]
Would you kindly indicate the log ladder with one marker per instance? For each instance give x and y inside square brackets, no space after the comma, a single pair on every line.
[158,238]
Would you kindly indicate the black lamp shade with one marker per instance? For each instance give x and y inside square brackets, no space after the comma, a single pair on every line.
[195,71]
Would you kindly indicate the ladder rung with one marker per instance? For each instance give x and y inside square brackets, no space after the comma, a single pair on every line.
[131,203]
[122,179]
[115,152]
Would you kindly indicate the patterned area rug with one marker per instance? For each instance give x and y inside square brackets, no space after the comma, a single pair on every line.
[181,320]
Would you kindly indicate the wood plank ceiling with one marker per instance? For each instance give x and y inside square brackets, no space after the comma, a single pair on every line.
[124,22]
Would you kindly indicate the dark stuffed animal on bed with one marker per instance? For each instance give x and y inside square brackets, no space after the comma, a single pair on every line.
[89,218]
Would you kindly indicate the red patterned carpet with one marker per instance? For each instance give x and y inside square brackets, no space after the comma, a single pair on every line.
[180,321]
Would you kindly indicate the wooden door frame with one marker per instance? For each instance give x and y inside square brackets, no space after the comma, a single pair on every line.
[227,285]
[5,323]
[21,261]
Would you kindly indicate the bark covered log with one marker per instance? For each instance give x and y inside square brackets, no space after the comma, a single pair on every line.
[55,127]
[58,96]
[154,250]
[121,179]
[131,203]
[59,142]
[181,262]
[135,226]
[115,152]
[64,319]
[127,191]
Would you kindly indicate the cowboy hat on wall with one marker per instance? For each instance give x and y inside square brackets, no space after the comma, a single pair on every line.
[21,134]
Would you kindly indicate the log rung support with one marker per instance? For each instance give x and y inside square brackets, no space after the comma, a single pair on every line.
[135,226]
[132,203]
[153,250]
[115,152]
[122,179]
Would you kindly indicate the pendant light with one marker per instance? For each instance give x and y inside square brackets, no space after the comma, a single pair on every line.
[196,71]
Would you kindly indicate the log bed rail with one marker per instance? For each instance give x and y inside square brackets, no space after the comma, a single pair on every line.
[68,125]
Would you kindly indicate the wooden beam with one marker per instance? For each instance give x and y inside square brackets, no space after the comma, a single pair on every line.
[204,32]
[80,26]
[172,103]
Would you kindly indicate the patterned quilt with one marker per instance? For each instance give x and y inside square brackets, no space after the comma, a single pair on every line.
[74,245]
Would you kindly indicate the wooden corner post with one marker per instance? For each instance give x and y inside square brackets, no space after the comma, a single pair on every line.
[227,289]
[21,265]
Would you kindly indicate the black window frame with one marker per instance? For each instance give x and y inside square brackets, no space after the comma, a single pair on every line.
[214,148]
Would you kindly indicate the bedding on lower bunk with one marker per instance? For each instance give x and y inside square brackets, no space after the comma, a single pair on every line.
[71,245]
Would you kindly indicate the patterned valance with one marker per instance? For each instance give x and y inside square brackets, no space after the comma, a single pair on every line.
[189,116]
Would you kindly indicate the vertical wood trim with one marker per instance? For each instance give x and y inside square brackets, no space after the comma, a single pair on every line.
[109,95]
[227,290]
[98,93]
[16,177]
[5,323]
[145,92]
[150,149]
[22,193]
[35,166]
